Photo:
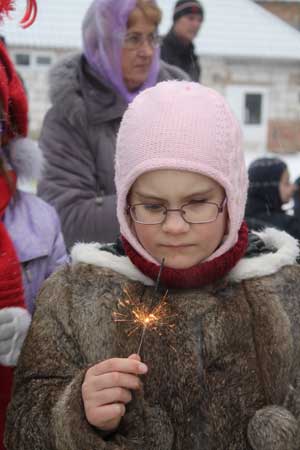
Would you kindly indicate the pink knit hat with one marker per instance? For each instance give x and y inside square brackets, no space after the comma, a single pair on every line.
[183,126]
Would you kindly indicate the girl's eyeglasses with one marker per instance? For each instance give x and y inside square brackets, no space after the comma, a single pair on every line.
[195,212]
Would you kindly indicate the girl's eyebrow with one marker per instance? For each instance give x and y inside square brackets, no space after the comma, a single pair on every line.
[201,193]
[192,194]
[148,196]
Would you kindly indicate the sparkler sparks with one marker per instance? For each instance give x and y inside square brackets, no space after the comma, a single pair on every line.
[140,317]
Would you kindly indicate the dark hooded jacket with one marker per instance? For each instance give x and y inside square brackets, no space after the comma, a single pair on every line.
[78,141]
[223,371]
[175,52]
[264,205]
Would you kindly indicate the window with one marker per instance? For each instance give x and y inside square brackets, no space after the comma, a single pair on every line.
[253,109]
[22,59]
[43,60]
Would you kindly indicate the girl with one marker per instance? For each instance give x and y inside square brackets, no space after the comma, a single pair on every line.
[269,189]
[218,332]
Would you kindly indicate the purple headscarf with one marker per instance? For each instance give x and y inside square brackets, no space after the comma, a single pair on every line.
[103,31]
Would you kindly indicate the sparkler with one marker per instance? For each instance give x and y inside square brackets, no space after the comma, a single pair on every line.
[139,316]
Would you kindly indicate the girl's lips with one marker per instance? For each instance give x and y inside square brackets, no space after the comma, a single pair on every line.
[176,245]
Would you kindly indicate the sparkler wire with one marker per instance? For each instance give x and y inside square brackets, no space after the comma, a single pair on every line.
[152,304]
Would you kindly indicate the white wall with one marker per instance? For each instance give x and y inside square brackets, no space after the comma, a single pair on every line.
[279,82]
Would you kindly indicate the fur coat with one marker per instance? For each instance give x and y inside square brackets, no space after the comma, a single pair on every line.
[223,369]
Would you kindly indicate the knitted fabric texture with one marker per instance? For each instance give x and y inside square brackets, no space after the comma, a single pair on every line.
[11,285]
[181,125]
[6,6]
[13,98]
[185,7]
[194,277]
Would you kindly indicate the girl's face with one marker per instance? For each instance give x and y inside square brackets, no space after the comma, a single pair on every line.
[183,245]
[286,188]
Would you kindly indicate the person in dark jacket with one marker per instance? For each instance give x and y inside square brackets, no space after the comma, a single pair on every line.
[296,198]
[269,189]
[89,95]
[177,46]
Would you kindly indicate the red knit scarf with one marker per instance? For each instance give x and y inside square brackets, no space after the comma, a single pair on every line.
[196,276]
[11,286]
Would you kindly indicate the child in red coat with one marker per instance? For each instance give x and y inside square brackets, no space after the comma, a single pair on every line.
[15,319]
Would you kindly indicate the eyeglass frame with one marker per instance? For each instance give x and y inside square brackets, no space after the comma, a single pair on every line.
[220,209]
[156,41]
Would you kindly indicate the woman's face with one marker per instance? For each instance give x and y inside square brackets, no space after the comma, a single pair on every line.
[137,59]
[286,188]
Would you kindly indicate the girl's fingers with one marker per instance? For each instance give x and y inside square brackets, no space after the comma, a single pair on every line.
[125,365]
[135,356]
[101,416]
[109,396]
[110,380]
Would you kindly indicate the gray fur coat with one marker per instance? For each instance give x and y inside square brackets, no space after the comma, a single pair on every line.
[78,141]
[224,375]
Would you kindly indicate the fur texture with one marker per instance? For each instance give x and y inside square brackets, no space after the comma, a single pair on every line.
[284,246]
[286,251]
[26,158]
[92,254]
[227,356]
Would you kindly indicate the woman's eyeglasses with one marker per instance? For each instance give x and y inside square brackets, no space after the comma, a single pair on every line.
[194,212]
[134,41]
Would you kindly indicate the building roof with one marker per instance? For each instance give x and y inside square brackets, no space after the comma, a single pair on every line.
[232,28]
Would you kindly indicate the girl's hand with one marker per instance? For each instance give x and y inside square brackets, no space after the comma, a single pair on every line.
[107,389]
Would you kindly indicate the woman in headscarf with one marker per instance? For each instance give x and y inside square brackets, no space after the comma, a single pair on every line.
[89,94]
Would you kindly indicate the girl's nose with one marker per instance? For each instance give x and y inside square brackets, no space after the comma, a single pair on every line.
[175,224]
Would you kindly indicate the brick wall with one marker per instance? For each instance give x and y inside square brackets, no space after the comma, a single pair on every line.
[287,11]
[284,136]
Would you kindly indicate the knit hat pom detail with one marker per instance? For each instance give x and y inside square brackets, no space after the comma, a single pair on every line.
[7,6]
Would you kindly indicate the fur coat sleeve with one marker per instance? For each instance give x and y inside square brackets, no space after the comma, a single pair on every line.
[47,412]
